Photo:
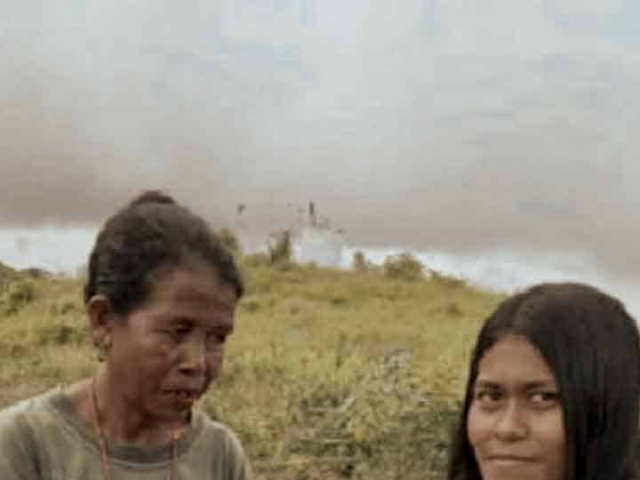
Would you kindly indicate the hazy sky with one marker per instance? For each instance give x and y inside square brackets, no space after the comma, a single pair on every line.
[460,125]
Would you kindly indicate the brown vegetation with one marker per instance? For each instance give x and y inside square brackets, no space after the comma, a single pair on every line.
[330,374]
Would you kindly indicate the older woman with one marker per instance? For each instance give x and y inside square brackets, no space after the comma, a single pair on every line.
[160,298]
[553,390]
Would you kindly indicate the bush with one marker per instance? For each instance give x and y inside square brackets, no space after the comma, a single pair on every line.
[280,247]
[448,280]
[229,240]
[17,295]
[58,333]
[255,260]
[385,422]
[403,267]
[360,263]
[7,274]
[34,272]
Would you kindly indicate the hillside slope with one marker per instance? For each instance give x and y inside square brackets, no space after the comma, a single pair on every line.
[329,373]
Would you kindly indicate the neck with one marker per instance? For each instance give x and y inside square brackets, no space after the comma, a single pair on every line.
[121,420]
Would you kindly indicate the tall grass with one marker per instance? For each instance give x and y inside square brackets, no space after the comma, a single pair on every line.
[330,374]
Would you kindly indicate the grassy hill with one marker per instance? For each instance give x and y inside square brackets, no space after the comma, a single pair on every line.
[330,374]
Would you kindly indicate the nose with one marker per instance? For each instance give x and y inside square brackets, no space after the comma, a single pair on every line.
[511,424]
[193,359]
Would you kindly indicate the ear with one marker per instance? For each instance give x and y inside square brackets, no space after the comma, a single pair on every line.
[102,318]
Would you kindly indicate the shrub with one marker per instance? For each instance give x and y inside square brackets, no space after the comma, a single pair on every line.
[58,333]
[229,240]
[17,295]
[66,307]
[384,422]
[280,247]
[7,274]
[34,272]
[447,280]
[403,266]
[360,263]
[255,260]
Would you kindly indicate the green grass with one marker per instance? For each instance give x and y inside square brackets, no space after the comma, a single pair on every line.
[330,374]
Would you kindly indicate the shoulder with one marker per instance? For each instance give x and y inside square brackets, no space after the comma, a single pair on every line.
[17,417]
[19,424]
[32,406]
[219,433]
[221,439]
[24,417]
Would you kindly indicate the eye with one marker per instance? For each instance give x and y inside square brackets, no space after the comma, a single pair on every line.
[544,398]
[216,339]
[178,333]
[488,398]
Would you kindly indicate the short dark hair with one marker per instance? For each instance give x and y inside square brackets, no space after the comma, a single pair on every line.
[592,345]
[152,231]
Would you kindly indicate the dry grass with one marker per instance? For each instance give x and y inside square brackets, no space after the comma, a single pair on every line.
[330,374]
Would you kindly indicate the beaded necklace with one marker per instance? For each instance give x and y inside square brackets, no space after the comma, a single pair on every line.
[104,456]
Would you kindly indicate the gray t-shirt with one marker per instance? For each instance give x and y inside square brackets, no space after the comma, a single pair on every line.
[42,438]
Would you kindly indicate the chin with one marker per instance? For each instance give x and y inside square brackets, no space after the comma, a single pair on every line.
[171,412]
[516,471]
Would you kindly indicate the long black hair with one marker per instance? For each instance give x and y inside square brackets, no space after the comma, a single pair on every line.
[592,345]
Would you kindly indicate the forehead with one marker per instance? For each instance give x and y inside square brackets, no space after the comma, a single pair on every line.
[514,359]
[194,285]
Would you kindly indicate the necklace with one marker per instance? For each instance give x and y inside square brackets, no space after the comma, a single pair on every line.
[104,456]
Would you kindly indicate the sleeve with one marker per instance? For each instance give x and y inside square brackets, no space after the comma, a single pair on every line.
[18,447]
[240,469]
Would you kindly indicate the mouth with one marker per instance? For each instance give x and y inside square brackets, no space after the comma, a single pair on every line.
[183,396]
[509,460]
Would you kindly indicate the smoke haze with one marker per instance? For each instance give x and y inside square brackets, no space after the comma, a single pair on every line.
[454,125]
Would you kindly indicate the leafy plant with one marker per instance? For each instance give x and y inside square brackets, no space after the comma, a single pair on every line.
[403,266]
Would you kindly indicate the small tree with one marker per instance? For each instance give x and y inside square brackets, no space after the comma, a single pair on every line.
[18,294]
[403,266]
[229,240]
[360,263]
[280,247]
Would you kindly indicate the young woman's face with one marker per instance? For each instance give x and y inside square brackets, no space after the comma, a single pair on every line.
[167,351]
[515,420]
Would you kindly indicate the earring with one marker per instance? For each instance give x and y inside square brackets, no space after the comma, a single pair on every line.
[102,348]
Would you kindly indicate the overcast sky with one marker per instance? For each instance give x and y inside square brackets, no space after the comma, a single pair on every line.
[458,125]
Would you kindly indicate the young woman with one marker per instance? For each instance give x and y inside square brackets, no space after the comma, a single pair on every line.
[553,390]
[160,297]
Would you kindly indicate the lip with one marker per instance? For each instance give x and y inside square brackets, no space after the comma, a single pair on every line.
[510,459]
[183,395]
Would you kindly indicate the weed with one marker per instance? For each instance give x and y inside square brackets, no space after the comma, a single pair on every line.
[403,266]
[329,374]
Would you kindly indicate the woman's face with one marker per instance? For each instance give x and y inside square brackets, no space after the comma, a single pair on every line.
[166,352]
[515,420]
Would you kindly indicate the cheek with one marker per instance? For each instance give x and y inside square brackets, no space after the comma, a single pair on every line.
[550,433]
[478,426]
[155,371]
[155,362]
[215,361]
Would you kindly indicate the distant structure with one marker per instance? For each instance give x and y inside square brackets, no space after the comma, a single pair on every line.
[312,238]
[317,242]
